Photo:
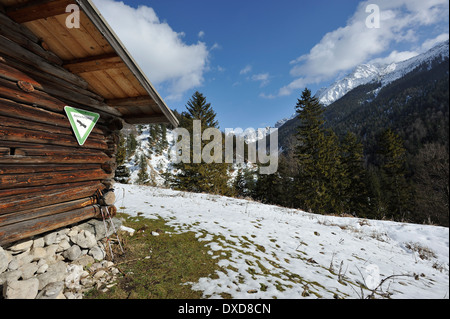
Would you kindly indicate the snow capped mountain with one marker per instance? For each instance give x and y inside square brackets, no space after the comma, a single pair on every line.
[385,74]
[362,74]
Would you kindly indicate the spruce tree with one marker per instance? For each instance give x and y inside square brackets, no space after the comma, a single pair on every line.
[353,180]
[317,158]
[394,185]
[201,177]
[122,173]
[142,174]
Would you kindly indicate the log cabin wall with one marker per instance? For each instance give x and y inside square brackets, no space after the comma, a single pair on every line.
[47,180]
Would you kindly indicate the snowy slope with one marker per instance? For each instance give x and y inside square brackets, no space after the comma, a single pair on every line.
[385,74]
[273,252]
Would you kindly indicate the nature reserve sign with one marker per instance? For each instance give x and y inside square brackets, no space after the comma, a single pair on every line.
[82,122]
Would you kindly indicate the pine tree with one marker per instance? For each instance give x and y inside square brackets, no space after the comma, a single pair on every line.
[394,185]
[239,184]
[122,173]
[201,177]
[131,144]
[121,154]
[317,156]
[142,174]
[353,181]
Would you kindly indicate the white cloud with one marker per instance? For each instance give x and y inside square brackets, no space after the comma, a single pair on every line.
[246,70]
[428,44]
[262,77]
[267,96]
[346,47]
[215,46]
[395,57]
[201,34]
[156,47]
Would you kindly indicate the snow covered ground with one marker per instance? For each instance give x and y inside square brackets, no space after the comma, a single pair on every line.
[272,252]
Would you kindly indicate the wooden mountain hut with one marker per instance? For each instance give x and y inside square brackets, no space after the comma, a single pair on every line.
[47,179]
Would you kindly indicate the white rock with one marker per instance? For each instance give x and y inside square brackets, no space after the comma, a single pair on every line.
[99,274]
[29,270]
[72,253]
[72,280]
[53,290]
[97,253]
[38,253]
[50,239]
[5,259]
[63,245]
[38,243]
[10,275]
[22,246]
[42,268]
[13,265]
[21,289]
[55,272]
[84,239]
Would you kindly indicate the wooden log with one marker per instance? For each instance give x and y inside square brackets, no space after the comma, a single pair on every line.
[45,193]
[9,90]
[55,98]
[55,159]
[112,210]
[14,232]
[31,136]
[15,34]
[23,30]
[4,151]
[35,199]
[46,178]
[49,128]
[29,169]
[14,71]
[36,149]
[51,151]
[35,114]
[94,63]
[12,49]
[36,10]
[19,216]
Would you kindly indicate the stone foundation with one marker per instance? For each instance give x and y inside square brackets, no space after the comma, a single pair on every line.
[61,264]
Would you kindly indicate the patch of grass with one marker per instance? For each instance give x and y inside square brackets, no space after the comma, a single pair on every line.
[424,253]
[159,267]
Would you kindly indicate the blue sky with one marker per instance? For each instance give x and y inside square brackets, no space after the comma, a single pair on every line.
[253,58]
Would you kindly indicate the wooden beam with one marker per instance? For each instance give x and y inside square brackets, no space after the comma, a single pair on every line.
[15,216]
[38,9]
[39,196]
[146,119]
[132,101]
[50,178]
[25,229]
[13,32]
[40,137]
[95,63]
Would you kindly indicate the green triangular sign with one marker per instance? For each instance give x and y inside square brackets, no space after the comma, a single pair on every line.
[82,122]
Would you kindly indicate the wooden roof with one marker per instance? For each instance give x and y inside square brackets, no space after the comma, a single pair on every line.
[94,53]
